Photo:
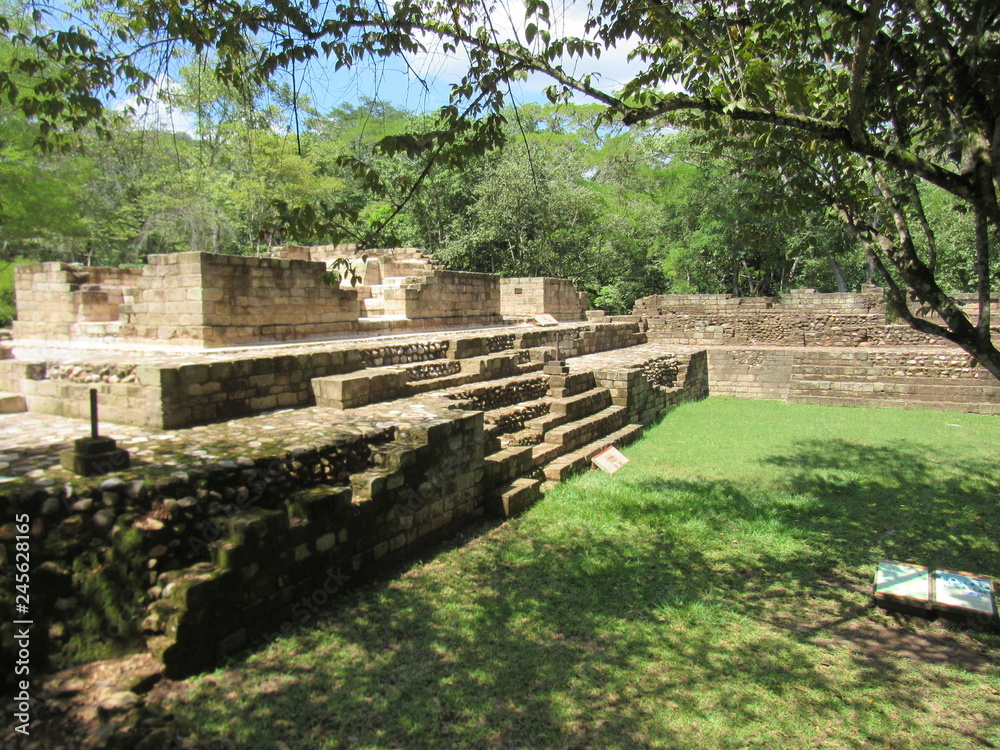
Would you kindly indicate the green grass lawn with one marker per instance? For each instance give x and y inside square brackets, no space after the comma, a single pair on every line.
[715,593]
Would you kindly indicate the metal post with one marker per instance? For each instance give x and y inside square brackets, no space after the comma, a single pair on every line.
[93,412]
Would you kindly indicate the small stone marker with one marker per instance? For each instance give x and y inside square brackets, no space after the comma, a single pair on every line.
[94,455]
[609,460]
[544,320]
[917,589]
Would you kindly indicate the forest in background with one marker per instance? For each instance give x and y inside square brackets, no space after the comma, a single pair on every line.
[623,212]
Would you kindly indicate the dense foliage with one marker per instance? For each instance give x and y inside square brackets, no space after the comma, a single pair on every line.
[624,212]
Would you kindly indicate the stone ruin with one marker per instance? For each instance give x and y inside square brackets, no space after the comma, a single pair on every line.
[209,301]
[281,429]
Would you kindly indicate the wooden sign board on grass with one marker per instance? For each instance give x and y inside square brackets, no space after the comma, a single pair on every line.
[917,589]
[903,587]
[609,460]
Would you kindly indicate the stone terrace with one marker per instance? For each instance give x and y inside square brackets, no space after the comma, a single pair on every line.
[315,488]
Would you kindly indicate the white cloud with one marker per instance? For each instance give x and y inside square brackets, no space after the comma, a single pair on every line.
[154,110]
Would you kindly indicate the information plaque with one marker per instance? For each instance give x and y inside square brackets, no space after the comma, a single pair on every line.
[903,586]
[955,591]
[610,460]
[918,589]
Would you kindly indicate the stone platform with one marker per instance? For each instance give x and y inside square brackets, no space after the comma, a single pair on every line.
[216,531]
[170,389]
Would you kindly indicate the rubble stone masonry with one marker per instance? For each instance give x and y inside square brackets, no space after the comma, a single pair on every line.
[800,318]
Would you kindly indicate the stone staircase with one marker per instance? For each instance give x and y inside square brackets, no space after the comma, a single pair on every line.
[578,422]
[836,380]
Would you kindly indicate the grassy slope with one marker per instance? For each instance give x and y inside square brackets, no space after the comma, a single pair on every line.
[712,594]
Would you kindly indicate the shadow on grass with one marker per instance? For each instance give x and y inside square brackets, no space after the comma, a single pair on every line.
[628,633]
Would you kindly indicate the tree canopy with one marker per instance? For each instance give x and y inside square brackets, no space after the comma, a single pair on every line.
[861,105]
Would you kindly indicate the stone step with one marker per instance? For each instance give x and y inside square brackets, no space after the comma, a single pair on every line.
[12,403]
[933,391]
[415,387]
[571,384]
[841,374]
[510,419]
[506,465]
[319,504]
[545,453]
[373,307]
[99,328]
[511,499]
[579,460]
[570,409]
[575,434]
[373,483]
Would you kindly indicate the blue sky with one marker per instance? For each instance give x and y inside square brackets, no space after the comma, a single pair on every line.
[422,82]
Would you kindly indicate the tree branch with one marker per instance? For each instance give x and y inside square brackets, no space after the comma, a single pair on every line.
[895,156]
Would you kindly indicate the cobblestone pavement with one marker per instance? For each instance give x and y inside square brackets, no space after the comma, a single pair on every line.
[632,356]
[30,444]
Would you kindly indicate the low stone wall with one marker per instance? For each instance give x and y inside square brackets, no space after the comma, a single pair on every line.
[54,299]
[206,300]
[175,396]
[797,300]
[526,297]
[800,318]
[644,390]
[880,378]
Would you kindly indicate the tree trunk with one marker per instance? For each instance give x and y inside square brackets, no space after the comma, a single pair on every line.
[837,275]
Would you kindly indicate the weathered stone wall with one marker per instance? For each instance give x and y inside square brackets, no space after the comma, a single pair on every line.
[526,297]
[379,263]
[54,299]
[274,565]
[852,377]
[751,373]
[175,396]
[204,562]
[652,388]
[206,300]
[800,318]
[135,396]
[448,298]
